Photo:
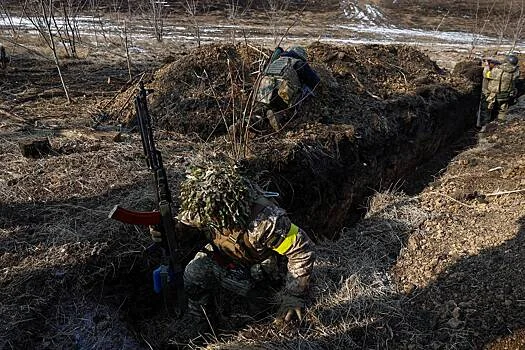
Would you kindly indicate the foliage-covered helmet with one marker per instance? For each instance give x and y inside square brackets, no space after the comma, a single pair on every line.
[512,59]
[300,51]
[217,195]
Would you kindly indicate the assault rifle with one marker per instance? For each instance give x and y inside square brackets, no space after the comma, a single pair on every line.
[162,218]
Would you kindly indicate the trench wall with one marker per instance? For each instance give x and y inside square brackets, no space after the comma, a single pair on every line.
[324,187]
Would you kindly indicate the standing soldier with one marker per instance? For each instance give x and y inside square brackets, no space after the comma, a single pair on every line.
[252,245]
[485,113]
[501,86]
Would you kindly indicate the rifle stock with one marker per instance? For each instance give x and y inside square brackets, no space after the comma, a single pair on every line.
[132,217]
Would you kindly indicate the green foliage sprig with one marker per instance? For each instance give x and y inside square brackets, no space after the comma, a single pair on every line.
[217,196]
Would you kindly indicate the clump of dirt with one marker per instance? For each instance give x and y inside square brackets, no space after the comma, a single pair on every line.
[471,70]
[200,92]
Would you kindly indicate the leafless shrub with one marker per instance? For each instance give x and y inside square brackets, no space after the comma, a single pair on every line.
[191,7]
[481,16]
[70,12]
[235,12]
[157,14]
[509,22]
[506,19]
[275,11]
[41,13]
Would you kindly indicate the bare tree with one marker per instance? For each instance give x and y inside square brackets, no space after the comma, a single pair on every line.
[157,18]
[191,7]
[42,17]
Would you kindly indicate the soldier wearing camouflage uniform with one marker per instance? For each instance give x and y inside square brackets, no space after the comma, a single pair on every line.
[287,80]
[252,243]
[501,87]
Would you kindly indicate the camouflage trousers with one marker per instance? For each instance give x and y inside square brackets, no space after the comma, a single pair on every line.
[204,276]
[491,106]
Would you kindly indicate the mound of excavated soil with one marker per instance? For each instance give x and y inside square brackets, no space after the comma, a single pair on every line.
[207,88]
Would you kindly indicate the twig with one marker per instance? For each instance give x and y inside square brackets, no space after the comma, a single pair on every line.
[147,343]
[13,116]
[290,27]
[209,323]
[452,199]
[363,87]
[400,71]
[504,192]
[256,49]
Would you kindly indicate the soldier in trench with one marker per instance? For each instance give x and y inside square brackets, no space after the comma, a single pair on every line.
[286,82]
[253,248]
[500,82]
[488,65]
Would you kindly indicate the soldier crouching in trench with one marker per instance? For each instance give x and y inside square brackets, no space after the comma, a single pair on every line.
[252,245]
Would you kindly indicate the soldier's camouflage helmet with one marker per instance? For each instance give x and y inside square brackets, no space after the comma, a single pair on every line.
[512,59]
[217,195]
[300,51]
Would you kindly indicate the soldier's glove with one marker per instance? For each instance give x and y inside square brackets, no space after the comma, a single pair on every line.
[156,236]
[291,308]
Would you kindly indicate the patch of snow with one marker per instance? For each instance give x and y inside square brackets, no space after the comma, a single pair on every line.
[391,34]
[367,14]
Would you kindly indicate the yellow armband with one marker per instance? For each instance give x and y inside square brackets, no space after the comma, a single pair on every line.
[288,240]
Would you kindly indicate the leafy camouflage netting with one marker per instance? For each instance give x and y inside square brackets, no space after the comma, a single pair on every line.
[217,195]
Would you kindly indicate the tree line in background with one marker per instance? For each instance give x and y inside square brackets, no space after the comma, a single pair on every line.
[204,6]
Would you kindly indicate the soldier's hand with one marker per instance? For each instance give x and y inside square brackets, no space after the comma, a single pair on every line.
[291,309]
[156,235]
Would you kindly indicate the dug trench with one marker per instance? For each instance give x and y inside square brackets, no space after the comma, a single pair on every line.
[379,115]
[382,115]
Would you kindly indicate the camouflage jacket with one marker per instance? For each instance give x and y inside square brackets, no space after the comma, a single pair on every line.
[501,79]
[270,232]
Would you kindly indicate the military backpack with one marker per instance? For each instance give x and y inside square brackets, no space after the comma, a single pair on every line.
[280,86]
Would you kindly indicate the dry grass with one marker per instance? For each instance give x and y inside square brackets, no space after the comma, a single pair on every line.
[354,301]
[58,248]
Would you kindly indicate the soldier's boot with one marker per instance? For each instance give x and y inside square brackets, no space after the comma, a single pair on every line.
[272,119]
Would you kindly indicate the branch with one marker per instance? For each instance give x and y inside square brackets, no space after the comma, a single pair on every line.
[504,192]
